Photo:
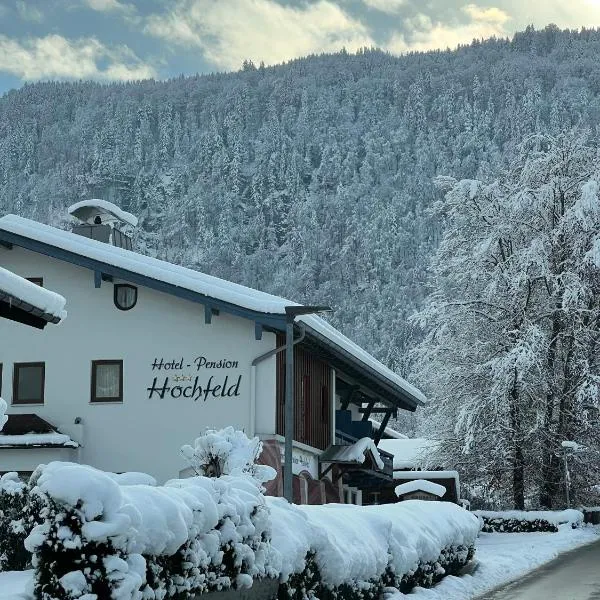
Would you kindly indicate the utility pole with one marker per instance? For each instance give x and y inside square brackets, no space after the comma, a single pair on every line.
[567,479]
[291,312]
[569,448]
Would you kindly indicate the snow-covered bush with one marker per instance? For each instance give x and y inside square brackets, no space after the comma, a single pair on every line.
[142,541]
[125,538]
[515,521]
[191,536]
[13,497]
[20,512]
[82,546]
[352,553]
[227,452]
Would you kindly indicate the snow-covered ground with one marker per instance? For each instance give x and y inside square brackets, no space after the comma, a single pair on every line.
[502,557]
[13,584]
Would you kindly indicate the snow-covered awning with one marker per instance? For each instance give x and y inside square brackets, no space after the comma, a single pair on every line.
[354,454]
[420,485]
[198,287]
[24,301]
[31,431]
[450,478]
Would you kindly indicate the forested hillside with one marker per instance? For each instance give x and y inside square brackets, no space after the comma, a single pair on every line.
[311,180]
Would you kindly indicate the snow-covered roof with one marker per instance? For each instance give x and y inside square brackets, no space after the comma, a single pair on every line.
[30,431]
[353,454]
[409,453]
[86,210]
[37,440]
[205,285]
[14,288]
[391,433]
[420,485]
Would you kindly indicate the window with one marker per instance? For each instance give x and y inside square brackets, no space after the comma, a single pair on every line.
[107,381]
[28,383]
[37,280]
[125,296]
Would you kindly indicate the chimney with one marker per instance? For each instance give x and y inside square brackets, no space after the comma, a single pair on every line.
[103,221]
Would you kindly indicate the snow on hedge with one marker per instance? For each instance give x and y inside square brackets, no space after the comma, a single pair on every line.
[555,517]
[13,497]
[357,545]
[133,478]
[100,535]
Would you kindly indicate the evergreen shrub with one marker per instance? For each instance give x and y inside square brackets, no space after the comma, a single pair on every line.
[512,525]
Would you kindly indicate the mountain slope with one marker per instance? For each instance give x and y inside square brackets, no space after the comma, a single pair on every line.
[310,180]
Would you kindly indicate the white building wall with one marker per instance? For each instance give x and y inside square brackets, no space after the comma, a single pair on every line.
[25,460]
[143,433]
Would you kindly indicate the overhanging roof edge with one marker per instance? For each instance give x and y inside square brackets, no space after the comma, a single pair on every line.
[394,388]
[28,308]
[270,319]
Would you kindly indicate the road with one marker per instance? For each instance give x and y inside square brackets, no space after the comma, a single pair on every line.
[572,576]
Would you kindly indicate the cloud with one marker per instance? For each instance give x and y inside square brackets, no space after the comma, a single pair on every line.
[55,57]
[387,6]
[423,33]
[29,13]
[573,14]
[110,6]
[229,31]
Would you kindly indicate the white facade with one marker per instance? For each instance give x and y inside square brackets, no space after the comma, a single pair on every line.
[128,385]
[180,375]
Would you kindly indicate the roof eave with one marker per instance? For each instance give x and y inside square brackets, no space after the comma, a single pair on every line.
[275,321]
[18,310]
[403,397]
[396,395]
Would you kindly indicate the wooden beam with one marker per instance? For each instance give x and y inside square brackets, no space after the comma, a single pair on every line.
[208,314]
[258,331]
[349,395]
[375,410]
[368,410]
[324,473]
[6,245]
[379,433]
[97,279]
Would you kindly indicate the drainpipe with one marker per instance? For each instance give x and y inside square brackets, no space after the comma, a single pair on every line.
[254,364]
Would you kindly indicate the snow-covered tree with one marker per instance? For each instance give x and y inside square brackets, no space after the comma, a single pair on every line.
[514,322]
[227,451]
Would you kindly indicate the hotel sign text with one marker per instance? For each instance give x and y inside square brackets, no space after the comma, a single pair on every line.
[201,384]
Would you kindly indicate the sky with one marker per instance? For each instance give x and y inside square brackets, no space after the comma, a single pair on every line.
[120,40]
